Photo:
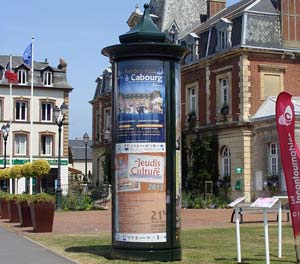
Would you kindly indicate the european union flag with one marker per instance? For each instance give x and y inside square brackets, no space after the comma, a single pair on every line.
[27,55]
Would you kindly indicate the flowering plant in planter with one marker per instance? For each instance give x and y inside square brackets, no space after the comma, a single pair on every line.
[42,212]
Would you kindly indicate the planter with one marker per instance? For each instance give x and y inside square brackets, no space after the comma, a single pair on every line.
[42,216]
[4,209]
[13,213]
[24,214]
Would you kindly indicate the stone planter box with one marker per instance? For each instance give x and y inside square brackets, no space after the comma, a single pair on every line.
[42,216]
[13,213]
[24,214]
[3,209]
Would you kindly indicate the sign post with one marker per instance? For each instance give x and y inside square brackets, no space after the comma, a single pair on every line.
[146,194]
[265,204]
[235,204]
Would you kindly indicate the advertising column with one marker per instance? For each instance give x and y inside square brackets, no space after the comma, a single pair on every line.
[140,152]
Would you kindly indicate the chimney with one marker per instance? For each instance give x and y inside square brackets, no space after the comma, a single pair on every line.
[215,6]
[62,65]
[290,12]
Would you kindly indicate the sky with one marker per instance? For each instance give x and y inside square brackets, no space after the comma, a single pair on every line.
[76,31]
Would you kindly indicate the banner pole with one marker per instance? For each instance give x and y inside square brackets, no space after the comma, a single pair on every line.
[296,251]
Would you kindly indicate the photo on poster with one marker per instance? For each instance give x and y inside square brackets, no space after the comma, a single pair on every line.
[123,183]
[140,102]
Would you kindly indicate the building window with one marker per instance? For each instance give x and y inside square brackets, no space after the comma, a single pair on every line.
[2,70]
[46,112]
[192,99]
[47,78]
[224,84]
[97,124]
[21,110]
[224,28]
[107,118]
[271,80]
[20,144]
[46,145]
[226,162]
[273,158]
[22,76]
[222,39]
[1,109]
[223,94]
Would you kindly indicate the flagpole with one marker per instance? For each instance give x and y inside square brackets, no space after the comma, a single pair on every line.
[10,120]
[31,110]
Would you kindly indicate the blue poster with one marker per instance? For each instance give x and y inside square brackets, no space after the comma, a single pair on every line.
[140,102]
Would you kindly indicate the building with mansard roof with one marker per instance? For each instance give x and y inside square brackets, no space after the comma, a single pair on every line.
[26,143]
[240,57]
[101,136]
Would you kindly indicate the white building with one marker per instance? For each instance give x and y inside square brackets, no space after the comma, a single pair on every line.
[33,132]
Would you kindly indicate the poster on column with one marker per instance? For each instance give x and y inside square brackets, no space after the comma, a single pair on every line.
[140,159]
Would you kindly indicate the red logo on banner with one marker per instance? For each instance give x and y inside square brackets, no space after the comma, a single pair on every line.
[290,155]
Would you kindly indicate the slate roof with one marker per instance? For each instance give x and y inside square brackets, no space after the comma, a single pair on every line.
[267,109]
[104,83]
[255,24]
[183,12]
[59,76]
[77,148]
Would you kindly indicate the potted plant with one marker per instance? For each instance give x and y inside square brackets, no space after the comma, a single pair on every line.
[3,205]
[40,168]
[24,210]
[42,208]
[12,207]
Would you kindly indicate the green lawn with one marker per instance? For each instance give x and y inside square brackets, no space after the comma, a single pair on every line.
[201,246]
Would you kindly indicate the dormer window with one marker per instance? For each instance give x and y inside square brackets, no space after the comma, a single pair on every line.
[224,28]
[191,41]
[173,32]
[47,78]
[1,73]
[22,76]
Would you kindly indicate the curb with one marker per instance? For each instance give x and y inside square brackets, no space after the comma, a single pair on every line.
[43,246]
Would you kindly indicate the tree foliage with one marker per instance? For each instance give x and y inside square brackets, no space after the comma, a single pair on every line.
[40,168]
[202,164]
[16,172]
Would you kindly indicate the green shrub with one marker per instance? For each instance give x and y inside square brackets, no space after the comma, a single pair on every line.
[197,201]
[23,197]
[77,202]
[41,198]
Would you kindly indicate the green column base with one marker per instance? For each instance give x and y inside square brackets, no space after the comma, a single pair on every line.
[147,255]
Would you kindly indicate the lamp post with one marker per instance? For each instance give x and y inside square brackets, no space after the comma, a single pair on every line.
[86,141]
[59,117]
[5,130]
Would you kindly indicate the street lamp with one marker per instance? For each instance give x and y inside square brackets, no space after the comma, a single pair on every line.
[59,117]
[5,130]
[86,141]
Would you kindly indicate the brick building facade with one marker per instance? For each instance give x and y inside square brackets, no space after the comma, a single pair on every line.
[242,59]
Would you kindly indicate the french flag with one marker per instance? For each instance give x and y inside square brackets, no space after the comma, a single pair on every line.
[9,75]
